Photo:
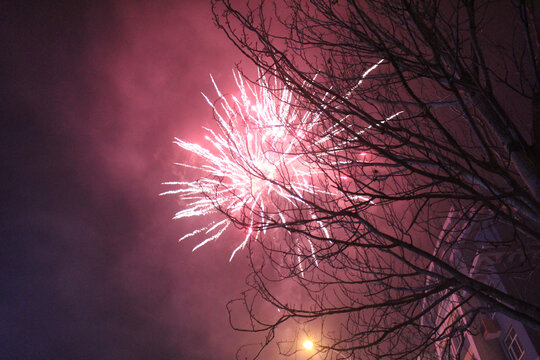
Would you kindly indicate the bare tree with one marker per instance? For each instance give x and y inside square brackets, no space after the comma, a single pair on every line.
[417,107]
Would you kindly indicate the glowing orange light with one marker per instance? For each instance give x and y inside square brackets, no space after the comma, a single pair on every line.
[308,344]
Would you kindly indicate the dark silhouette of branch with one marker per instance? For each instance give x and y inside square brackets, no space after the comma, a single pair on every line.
[424,117]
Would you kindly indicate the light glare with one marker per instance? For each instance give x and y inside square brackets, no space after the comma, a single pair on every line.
[308,344]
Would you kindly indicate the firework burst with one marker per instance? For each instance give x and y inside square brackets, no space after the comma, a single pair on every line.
[260,136]
[255,161]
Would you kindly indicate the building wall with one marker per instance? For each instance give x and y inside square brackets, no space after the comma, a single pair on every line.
[476,346]
[524,337]
[495,348]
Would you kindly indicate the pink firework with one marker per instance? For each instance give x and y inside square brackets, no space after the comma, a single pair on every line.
[259,158]
[260,136]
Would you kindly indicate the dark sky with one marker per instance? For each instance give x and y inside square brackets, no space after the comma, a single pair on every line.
[92,95]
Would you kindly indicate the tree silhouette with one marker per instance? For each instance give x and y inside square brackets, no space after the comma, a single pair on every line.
[424,114]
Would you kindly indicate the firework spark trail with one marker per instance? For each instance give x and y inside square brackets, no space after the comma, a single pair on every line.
[256,157]
[241,164]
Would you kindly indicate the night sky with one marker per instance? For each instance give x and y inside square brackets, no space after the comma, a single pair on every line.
[92,95]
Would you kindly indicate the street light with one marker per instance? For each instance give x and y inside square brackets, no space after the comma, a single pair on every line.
[308,344]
